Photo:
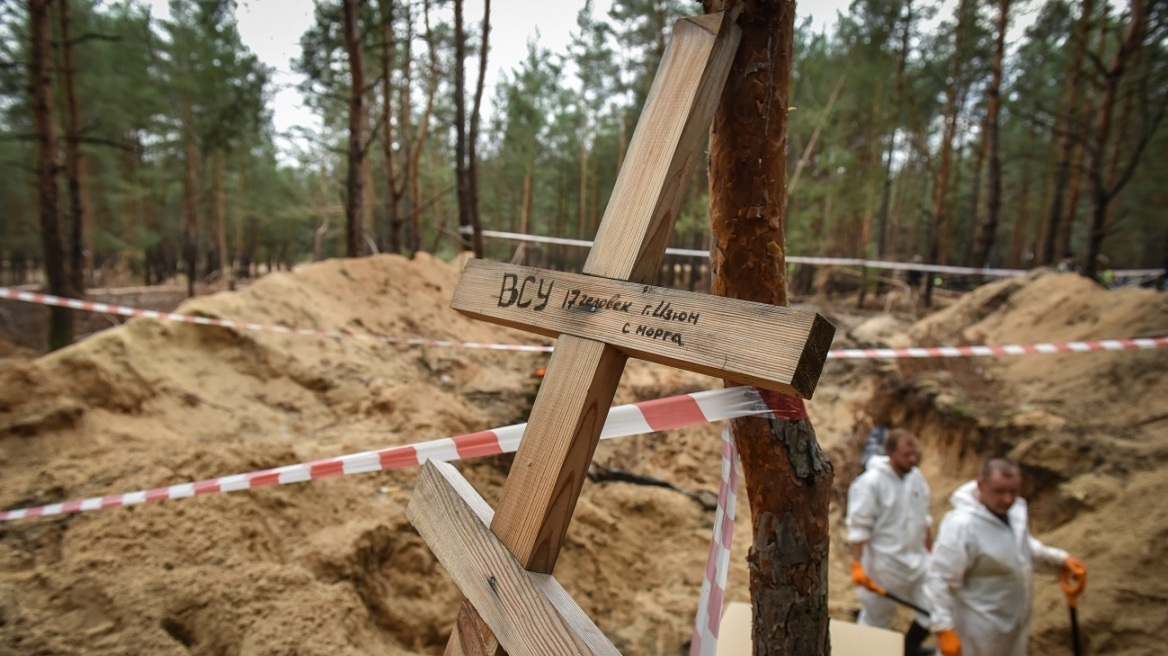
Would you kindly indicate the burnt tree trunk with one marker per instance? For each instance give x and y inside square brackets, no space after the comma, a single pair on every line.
[354,228]
[48,196]
[788,479]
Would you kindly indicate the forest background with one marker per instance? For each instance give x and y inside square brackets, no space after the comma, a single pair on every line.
[138,148]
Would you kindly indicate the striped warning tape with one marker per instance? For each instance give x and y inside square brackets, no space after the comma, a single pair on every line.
[633,419]
[709,615]
[914,352]
[1009,349]
[830,261]
[90,306]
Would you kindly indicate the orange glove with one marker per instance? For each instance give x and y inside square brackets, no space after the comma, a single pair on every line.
[1075,566]
[949,643]
[861,579]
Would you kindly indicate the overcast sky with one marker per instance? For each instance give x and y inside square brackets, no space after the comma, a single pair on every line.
[272,29]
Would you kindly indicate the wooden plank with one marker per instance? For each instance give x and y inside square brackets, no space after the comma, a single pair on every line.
[752,343]
[562,432]
[530,613]
[666,145]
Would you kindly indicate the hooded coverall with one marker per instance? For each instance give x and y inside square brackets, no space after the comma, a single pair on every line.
[890,515]
[980,580]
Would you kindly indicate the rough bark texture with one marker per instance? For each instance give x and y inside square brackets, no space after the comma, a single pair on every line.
[48,196]
[354,233]
[788,480]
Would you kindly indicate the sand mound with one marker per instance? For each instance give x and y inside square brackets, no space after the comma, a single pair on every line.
[326,567]
[334,567]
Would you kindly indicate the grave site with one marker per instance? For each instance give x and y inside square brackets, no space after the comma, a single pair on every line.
[455,455]
[334,565]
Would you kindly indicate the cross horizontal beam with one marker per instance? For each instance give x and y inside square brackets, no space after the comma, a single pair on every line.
[767,346]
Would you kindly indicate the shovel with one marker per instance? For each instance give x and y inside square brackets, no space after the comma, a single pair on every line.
[900,600]
[908,603]
[1073,585]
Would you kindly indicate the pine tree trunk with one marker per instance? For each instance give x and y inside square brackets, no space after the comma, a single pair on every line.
[391,242]
[1023,213]
[1057,232]
[989,227]
[788,480]
[219,207]
[472,163]
[354,210]
[465,231]
[423,132]
[1104,185]
[48,167]
[940,222]
[81,248]
[190,201]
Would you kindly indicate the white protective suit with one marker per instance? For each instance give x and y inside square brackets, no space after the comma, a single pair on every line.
[980,581]
[890,515]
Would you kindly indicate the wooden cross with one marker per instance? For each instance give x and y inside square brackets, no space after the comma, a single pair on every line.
[600,319]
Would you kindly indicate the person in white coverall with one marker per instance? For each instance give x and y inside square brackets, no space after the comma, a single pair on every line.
[980,580]
[888,529]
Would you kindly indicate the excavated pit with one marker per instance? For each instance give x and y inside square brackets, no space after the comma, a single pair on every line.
[333,566]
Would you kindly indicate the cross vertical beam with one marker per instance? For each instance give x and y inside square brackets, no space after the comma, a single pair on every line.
[561,435]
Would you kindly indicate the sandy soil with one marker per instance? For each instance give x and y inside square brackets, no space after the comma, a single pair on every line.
[334,567]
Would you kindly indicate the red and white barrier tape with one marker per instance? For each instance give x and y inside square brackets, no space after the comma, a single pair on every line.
[1009,349]
[830,261]
[90,306]
[634,419]
[915,352]
[709,615]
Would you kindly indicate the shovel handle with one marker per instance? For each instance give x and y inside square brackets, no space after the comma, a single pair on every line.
[1073,585]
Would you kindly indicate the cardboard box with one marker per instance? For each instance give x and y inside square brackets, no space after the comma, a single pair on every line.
[847,639]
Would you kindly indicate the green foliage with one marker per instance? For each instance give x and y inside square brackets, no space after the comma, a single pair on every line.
[869,89]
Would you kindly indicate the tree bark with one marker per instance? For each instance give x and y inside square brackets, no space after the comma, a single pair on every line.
[354,210]
[788,480]
[219,209]
[1023,213]
[1106,185]
[465,231]
[941,179]
[989,227]
[472,155]
[394,189]
[48,167]
[81,248]
[423,132]
[190,201]
[1057,232]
